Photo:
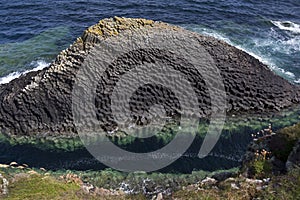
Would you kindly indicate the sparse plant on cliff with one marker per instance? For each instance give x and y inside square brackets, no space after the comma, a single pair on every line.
[261,168]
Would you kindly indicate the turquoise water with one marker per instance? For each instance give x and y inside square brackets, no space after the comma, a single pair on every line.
[33,32]
[34,53]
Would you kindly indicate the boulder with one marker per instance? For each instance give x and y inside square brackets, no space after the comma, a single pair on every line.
[222,176]
[3,186]
[208,181]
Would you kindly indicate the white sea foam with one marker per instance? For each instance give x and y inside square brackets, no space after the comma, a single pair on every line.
[269,63]
[288,45]
[297,81]
[214,34]
[266,60]
[38,65]
[287,26]
[293,43]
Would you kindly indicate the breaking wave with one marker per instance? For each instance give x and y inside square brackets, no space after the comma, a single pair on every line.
[38,65]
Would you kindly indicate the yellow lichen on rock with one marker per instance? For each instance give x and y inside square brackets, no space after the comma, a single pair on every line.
[95,30]
[113,26]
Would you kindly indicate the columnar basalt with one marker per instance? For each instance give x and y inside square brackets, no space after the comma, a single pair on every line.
[39,103]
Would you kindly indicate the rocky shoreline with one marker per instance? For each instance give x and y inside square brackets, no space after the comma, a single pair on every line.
[39,103]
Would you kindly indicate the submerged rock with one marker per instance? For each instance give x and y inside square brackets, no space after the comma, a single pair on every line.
[40,103]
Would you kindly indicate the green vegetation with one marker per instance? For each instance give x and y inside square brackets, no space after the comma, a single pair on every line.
[38,184]
[38,187]
[291,132]
[261,168]
[282,144]
[111,179]
[285,187]
[58,144]
[32,187]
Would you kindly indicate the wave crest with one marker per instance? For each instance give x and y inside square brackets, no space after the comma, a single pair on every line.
[287,26]
[38,65]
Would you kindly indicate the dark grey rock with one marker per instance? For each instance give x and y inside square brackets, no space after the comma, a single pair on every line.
[40,102]
[222,176]
[278,166]
[293,160]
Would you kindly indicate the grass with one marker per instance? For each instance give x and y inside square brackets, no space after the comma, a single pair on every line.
[284,187]
[45,188]
[291,132]
[217,194]
[51,185]
[111,179]
[282,144]
[41,187]
[31,187]
[262,168]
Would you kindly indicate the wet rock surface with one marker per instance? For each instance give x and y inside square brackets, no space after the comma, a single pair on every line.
[40,103]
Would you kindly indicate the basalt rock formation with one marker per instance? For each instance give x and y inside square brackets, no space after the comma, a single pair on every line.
[40,102]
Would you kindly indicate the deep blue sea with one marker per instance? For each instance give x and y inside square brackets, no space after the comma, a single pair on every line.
[33,32]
